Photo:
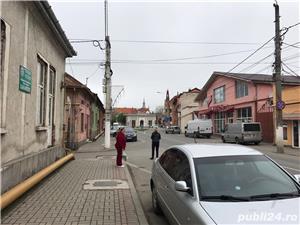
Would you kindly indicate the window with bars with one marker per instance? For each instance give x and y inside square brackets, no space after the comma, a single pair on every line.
[241,89]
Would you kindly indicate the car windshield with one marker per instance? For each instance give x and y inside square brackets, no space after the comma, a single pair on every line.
[251,127]
[236,177]
[129,129]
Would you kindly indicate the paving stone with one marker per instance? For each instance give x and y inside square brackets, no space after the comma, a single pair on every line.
[60,198]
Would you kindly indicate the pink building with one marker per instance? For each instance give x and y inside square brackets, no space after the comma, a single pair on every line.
[83,113]
[233,97]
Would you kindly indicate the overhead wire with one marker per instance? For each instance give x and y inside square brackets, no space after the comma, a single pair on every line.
[290,69]
[251,54]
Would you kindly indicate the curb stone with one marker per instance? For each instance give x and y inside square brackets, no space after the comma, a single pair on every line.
[136,201]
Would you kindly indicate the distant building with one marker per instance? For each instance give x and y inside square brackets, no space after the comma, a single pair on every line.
[238,97]
[187,106]
[33,52]
[83,111]
[174,105]
[167,111]
[137,117]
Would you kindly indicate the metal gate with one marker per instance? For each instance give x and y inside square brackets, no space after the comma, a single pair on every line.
[266,120]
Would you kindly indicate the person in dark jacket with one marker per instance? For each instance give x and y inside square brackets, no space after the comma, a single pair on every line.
[120,146]
[155,137]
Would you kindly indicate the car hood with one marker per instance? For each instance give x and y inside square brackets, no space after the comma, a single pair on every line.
[284,211]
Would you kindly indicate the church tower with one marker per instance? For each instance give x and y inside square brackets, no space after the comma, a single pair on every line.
[144,104]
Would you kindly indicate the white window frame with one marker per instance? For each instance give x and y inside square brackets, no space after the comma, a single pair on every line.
[218,93]
[41,119]
[241,89]
[5,78]
[246,118]
[42,125]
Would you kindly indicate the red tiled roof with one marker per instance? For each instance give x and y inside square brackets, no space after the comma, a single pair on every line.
[126,110]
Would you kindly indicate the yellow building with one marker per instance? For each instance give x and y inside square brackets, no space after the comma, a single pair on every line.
[291,116]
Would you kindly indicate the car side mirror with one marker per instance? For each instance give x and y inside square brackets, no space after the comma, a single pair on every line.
[297,177]
[181,186]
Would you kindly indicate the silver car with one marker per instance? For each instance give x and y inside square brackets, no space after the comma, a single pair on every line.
[223,184]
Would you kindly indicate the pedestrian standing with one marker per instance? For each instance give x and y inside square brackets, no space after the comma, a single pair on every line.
[155,137]
[120,146]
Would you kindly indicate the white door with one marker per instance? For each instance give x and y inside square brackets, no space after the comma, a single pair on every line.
[51,100]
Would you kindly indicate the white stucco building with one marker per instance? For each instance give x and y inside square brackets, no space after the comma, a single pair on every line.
[33,52]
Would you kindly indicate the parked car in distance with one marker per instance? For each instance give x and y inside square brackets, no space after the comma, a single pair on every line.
[242,133]
[130,134]
[204,183]
[173,130]
[114,129]
[198,127]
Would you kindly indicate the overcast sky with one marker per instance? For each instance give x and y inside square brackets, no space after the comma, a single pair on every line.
[172,44]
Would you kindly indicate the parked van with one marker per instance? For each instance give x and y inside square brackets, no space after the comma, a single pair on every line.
[242,133]
[199,127]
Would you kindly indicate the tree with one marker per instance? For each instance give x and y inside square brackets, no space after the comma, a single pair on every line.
[119,117]
[159,109]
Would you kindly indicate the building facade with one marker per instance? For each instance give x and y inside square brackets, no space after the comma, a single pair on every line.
[234,97]
[33,52]
[97,117]
[82,113]
[291,116]
[137,118]
[187,107]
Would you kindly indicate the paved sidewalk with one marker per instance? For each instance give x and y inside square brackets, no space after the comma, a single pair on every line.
[60,198]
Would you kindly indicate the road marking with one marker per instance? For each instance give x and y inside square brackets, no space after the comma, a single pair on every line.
[135,166]
[291,169]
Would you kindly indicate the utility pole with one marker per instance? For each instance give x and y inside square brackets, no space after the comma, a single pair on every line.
[277,81]
[108,73]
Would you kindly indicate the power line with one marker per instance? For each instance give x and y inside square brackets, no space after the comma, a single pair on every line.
[251,54]
[256,63]
[78,40]
[289,69]
[292,45]
[163,63]
[271,54]
[185,42]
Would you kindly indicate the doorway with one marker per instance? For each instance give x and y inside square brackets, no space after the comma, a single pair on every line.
[142,123]
[296,133]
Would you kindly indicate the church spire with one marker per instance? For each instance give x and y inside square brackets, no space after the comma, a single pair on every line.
[167,96]
[144,104]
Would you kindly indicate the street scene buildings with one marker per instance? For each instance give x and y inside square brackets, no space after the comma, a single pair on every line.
[77,142]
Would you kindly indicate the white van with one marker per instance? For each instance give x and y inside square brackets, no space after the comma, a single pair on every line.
[199,127]
[242,133]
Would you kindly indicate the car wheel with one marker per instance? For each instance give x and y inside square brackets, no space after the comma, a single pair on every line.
[155,202]
[208,136]
[256,143]
[237,141]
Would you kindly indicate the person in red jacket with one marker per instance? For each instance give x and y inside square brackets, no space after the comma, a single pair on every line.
[120,146]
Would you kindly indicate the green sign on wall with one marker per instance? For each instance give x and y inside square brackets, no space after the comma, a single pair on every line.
[25,80]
